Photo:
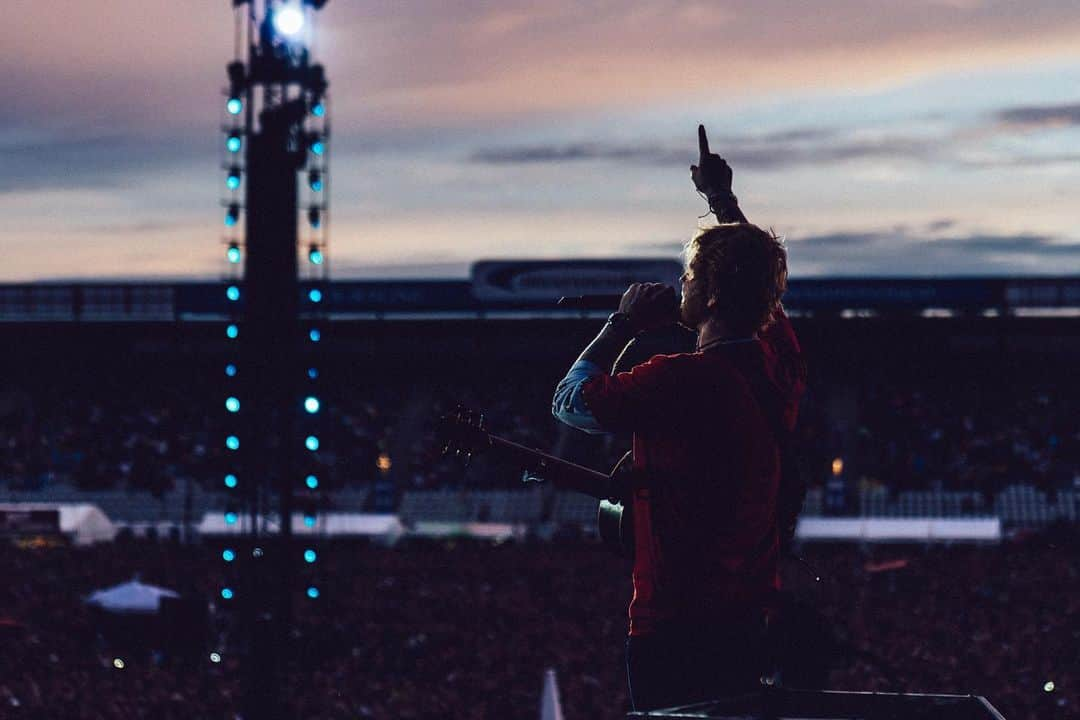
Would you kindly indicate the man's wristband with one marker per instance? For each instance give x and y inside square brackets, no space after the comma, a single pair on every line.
[726,207]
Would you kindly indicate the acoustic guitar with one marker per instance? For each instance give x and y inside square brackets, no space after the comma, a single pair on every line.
[464,435]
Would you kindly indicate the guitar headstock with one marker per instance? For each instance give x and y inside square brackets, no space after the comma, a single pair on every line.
[463,434]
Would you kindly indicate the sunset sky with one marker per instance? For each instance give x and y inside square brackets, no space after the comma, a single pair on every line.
[915,137]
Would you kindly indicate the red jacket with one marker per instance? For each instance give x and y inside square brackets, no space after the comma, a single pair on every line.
[705,533]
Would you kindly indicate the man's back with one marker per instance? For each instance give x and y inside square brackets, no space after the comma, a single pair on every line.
[706,546]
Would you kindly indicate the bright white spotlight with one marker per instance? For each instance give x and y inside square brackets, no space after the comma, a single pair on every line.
[288,19]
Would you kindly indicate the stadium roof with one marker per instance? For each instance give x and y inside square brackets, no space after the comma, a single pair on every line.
[403,299]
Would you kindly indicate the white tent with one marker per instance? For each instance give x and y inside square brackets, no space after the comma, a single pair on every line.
[130,597]
[336,524]
[83,523]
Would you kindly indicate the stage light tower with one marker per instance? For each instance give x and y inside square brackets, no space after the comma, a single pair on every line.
[276,127]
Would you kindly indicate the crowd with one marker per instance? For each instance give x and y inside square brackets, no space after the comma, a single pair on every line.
[959,434]
[147,434]
[950,432]
[466,630]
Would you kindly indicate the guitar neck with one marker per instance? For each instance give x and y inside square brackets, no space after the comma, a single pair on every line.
[565,475]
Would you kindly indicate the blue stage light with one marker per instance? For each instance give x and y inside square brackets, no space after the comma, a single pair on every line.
[232,180]
[314,335]
[309,520]
[232,332]
[230,370]
[315,295]
[233,253]
[233,143]
[318,110]
[315,181]
[309,555]
[232,292]
[313,592]
[232,215]
[227,593]
[232,404]
[318,146]
[230,481]
[230,517]
[311,404]
[234,105]
[311,443]
[314,217]
[313,373]
[232,442]
[311,481]
[228,555]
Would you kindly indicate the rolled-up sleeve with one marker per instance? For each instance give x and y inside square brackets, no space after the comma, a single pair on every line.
[568,405]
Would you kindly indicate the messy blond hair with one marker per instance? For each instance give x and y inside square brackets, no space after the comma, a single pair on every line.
[744,269]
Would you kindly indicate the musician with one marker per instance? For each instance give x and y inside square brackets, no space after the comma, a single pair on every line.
[706,428]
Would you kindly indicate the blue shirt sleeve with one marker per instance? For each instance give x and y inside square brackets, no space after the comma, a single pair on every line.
[568,406]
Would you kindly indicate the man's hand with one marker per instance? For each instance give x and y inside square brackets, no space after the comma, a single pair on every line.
[650,305]
[712,175]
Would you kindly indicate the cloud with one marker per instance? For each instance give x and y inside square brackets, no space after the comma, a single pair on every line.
[783,149]
[648,154]
[62,161]
[1034,117]
[899,252]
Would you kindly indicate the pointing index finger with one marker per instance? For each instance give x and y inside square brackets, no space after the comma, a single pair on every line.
[703,142]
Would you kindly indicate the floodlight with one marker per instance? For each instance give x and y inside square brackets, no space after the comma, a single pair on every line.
[289,19]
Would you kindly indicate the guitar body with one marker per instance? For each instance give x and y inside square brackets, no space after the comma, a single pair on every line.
[615,518]
[615,523]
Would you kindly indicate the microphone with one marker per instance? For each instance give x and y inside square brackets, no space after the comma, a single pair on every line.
[590,302]
[611,302]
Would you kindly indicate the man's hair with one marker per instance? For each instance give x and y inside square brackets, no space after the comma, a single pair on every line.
[744,268]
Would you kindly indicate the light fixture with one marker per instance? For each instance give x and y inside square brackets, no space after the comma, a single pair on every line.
[288,19]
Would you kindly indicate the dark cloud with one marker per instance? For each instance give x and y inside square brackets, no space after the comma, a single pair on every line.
[939,225]
[1038,116]
[789,148]
[102,161]
[641,154]
[900,252]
